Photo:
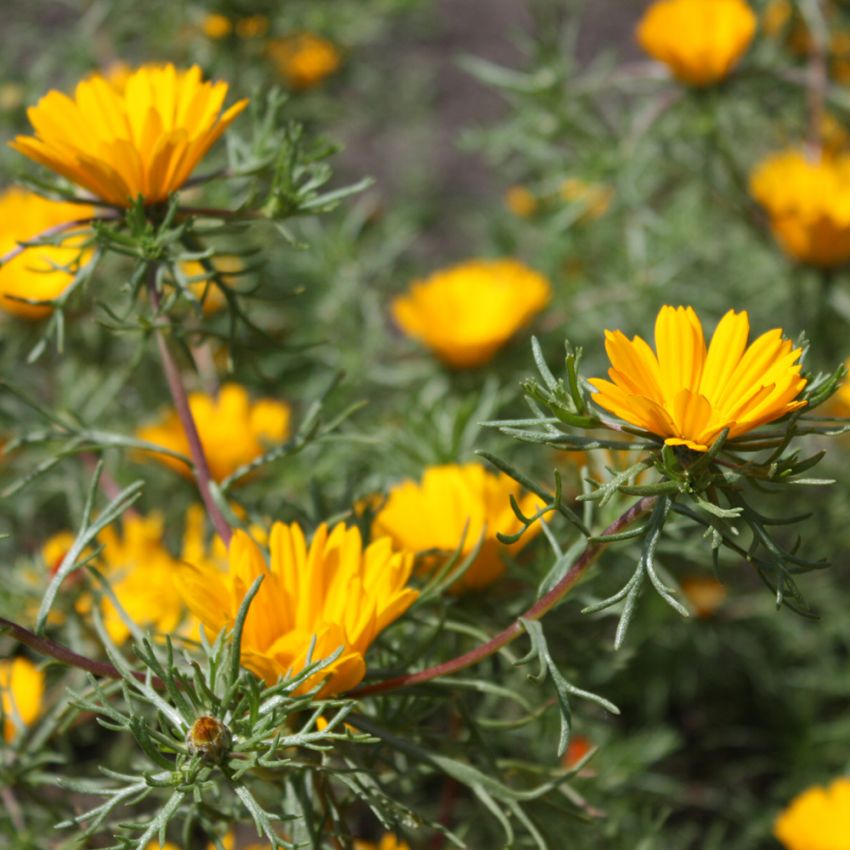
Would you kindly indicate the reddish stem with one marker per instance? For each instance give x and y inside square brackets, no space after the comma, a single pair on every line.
[46,234]
[540,608]
[184,413]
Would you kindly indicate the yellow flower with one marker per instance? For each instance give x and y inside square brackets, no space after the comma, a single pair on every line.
[451,500]
[700,41]
[304,60]
[775,17]
[21,692]
[521,201]
[206,289]
[141,573]
[41,273]
[252,27]
[817,819]
[216,26]
[595,198]
[233,430]
[705,594]
[808,204]
[144,141]
[11,96]
[333,590]
[465,313]
[388,842]
[687,394]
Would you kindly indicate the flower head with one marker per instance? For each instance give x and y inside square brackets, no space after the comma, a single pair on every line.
[233,429]
[817,819]
[688,394]
[456,506]
[21,691]
[143,141]
[521,201]
[304,59]
[468,312]
[705,594]
[699,40]
[41,273]
[216,26]
[333,590]
[808,204]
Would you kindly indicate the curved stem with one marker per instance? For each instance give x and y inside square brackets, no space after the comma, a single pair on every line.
[184,413]
[536,612]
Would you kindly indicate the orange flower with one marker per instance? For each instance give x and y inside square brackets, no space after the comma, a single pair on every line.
[143,141]
[304,60]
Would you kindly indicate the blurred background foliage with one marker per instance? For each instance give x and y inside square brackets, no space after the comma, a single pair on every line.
[532,129]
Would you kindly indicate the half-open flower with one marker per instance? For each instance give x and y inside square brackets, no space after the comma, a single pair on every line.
[700,41]
[808,202]
[333,591]
[457,507]
[468,312]
[688,394]
[142,141]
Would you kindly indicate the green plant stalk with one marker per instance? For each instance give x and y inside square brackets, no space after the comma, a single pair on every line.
[536,612]
[184,413]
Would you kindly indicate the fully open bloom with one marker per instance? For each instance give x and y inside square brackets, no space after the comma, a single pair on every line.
[40,273]
[457,506]
[467,312]
[688,394]
[333,590]
[21,691]
[808,203]
[388,842]
[233,429]
[817,819]
[304,59]
[700,41]
[143,141]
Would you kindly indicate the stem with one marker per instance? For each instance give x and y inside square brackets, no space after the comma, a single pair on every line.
[184,413]
[536,612]
[817,74]
[46,646]
[47,234]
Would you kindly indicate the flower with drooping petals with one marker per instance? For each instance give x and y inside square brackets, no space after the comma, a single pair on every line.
[466,313]
[688,394]
[143,141]
[808,203]
[333,590]
[21,691]
[456,506]
[388,842]
[233,429]
[700,41]
[817,819]
[304,59]
[44,272]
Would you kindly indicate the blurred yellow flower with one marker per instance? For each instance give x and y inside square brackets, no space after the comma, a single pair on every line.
[775,17]
[521,201]
[817,819]
[44,272]
[140,571]
[204,288]
[233,429]
[700,41]
[388,842]
[333,590]
[839,404]
[11,96]
[252,27]
[808,204]
[450,500]
[304,59]
[144,141]
[216,26]
[466,313]
[705,594]
[688,394]
[595,198]
[21,692]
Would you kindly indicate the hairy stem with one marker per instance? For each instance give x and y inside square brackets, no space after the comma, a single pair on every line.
[536,612]
[184,413]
